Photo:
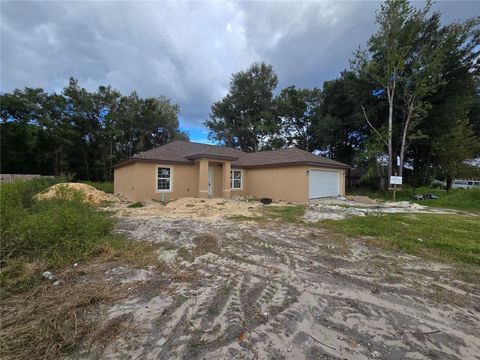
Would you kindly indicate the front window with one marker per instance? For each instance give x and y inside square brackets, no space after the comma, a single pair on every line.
[164,180]
[236,179]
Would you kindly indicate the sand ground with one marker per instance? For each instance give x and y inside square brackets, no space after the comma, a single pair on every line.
[247,290]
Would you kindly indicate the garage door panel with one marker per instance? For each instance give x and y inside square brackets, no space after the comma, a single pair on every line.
[324,183]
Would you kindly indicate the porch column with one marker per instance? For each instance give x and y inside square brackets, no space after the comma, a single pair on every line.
[226,193]
[203,178]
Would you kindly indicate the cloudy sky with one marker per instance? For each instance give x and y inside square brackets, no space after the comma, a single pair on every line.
[184,50]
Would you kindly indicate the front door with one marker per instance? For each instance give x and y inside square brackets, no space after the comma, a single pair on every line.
[210,180]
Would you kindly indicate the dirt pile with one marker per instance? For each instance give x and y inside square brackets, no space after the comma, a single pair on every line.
[195,208]
[68,190]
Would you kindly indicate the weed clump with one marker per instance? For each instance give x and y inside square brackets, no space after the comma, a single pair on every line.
[38,319]
[45,235]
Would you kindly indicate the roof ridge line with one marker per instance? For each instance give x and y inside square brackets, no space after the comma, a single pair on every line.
[301,153]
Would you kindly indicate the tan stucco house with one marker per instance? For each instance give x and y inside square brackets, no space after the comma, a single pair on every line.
[182,168]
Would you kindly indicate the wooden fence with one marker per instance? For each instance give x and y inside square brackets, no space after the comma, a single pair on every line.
[8,178]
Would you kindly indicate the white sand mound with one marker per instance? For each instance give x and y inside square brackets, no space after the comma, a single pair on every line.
[197,208]
[67,190]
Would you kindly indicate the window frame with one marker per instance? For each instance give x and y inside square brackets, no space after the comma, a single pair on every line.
[170,179]
[232,179]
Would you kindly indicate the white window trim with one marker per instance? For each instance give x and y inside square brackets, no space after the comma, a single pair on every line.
[156,179]
[241,180]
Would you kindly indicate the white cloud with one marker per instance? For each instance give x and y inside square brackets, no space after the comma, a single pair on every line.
[184,50]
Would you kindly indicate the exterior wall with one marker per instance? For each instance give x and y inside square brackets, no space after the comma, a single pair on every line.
[226,191]
[123,181]
[138,181]
[217,180]
[279,183]
[342,178]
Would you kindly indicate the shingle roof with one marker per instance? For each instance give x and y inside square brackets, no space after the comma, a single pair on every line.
[184,152]
[287,156]
[180,151]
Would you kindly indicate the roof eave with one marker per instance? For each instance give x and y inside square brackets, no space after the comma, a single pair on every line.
[297,163]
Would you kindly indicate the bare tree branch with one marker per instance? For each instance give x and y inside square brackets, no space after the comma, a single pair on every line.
[369,123]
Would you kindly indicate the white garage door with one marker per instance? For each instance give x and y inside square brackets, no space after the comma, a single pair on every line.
[324,183]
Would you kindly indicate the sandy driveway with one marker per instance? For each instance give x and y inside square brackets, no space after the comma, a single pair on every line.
[279,291]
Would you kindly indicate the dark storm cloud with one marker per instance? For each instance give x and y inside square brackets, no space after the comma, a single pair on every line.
[186,51]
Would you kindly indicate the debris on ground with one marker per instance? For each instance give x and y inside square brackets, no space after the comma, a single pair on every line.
[49,276]
[335,209]
[68,190]
[428,196]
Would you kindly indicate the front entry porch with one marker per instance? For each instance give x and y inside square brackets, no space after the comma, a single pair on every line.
[214,178]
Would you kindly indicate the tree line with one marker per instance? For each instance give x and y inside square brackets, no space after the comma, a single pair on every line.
[81,134]
[410,100]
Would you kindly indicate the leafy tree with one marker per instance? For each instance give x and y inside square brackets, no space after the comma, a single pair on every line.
[245,118]
[449,132]
[341,130]
[396,56]
[79,132]
[19,145]
[406,59]
[298,111]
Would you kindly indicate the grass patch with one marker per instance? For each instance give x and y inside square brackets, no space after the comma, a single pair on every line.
[48,234]
[460,199]
[102,186]
[55,232]
[137,204]
[39,320]
[47,324]
[189,205]
[290,214]
[437,237]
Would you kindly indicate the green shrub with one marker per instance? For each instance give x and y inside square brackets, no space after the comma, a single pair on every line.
[46,234]
[56,231]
